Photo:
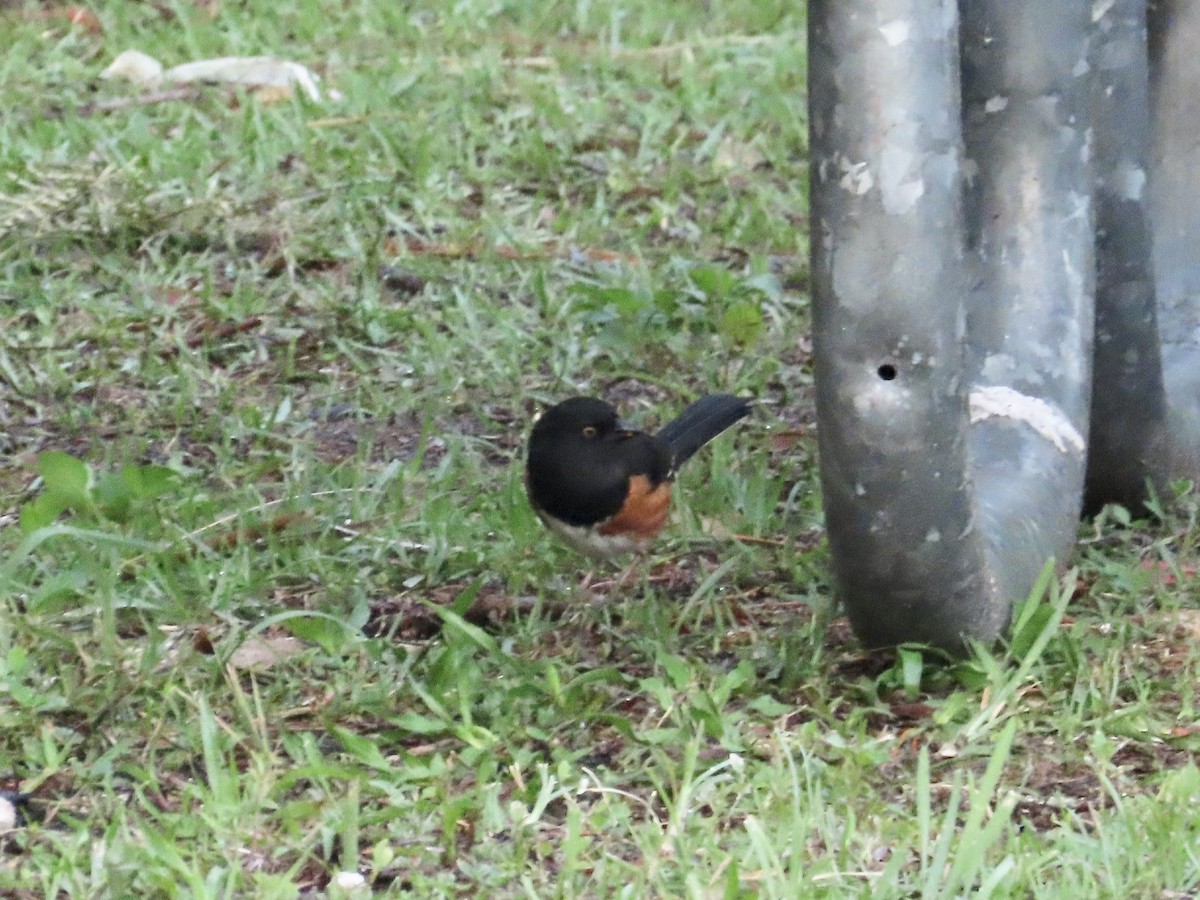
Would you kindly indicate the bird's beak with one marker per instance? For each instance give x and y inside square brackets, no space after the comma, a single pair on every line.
[625,427]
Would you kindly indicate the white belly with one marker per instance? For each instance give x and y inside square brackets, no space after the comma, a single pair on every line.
[589,543]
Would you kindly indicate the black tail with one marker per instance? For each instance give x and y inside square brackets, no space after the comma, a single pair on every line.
[700,423]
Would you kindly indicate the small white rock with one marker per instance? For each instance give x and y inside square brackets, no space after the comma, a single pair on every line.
[8,815]
[348,881]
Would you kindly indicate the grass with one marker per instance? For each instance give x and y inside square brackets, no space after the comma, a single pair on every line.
[267,370]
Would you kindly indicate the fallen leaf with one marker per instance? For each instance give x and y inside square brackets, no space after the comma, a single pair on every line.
[202,642]
[83,18]
[914,711]
[1166,571]
[256,531]
[273,93]
[260,652]
[641,192]
[547,250]
[782,441]
[1188,620]
[74,15]
[715,528]
[401,281]
[741,156]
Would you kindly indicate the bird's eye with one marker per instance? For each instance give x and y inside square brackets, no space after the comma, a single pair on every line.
[589,431]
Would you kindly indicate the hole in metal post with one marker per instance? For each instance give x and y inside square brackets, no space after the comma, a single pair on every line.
[887,372]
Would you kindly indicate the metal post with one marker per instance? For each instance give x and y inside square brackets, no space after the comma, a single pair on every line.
[1175,212]
[1031,311]
[1128,444]
[952,303]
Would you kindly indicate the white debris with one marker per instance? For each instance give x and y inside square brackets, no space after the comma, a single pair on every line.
[348,881]
[137,67]
[900,183]
[250,71]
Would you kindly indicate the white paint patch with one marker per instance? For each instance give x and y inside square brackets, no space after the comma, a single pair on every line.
[900,188]
[856,177]
[995,104]
[1075,285]
[1047,420]
[1081,210]
[970,169]
[1129,181]
[998,367]
[1100,8]
[895,33]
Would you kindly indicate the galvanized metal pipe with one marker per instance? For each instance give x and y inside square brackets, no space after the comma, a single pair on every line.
[1174,27]
[1031,310]
[952,339]
[889,282]
[1128,444]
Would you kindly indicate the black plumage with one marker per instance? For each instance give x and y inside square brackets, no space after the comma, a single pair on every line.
[585,466]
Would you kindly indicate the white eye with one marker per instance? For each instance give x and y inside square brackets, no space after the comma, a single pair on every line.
[589,431]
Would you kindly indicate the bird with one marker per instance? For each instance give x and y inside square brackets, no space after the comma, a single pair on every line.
[603,485]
